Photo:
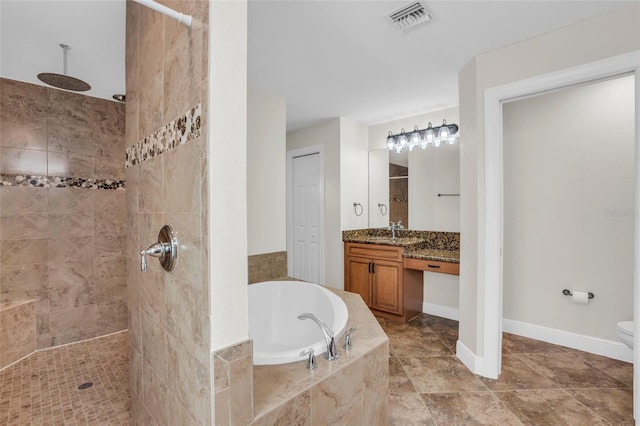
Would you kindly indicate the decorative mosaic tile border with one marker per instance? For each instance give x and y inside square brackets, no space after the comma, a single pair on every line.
[60,182]
[179,131]
[399,200]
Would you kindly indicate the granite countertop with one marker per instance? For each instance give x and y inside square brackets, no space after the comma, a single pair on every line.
[452,256]
[428,245]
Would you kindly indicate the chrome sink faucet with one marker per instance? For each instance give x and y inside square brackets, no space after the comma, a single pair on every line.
[395,227]
[332,351]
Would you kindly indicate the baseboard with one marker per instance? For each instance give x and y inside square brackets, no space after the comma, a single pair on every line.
[594,345]
[474,363]
[441,311]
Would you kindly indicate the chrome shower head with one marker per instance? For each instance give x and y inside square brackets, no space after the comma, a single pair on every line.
[63,81]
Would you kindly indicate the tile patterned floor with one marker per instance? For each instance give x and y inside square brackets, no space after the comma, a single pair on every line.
[540,384]
[42,389]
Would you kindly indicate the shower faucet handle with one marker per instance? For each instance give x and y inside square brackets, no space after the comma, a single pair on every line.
[347,339]
[166,249]
[156,250]
[311,362]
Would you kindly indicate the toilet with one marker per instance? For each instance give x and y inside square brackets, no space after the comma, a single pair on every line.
[625,332]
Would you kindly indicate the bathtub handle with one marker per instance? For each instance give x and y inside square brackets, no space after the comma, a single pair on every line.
[311,362]
[347,339]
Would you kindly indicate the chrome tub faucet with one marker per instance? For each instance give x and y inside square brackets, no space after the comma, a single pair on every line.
[332,351]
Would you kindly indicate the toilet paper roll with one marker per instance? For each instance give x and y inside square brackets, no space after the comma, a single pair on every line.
[581,297]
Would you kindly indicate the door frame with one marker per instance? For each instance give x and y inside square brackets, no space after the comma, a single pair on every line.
[493,210]
[301,152]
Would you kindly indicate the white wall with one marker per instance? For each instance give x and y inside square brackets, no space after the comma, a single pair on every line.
[602,37]
[568,207]
[227,179]
[266,173]
[354,164]
[327,134]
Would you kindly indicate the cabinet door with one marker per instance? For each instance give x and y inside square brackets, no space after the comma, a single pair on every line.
[358,277]
[387,286]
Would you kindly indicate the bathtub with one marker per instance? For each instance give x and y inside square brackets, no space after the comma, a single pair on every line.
[278,335]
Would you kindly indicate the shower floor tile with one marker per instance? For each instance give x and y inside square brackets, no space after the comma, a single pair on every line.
[540,383]
[43,388]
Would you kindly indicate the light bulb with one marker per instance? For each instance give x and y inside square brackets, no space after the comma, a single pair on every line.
[429,135]
[415,136]
[390,142]
[398,149]
[452,139]
[402,139]
[444,131]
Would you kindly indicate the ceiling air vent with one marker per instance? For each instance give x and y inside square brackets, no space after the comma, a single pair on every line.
[409,15]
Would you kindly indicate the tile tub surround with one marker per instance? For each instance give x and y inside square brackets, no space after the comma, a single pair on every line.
[62,210]
[233,382]
[267,267]
[428,245]
[351,390]
[17,331]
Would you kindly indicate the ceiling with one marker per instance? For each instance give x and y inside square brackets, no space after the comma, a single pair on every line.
[342,59]
[326,58]
[31,33]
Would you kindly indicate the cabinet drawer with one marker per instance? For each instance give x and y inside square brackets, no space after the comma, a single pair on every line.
[374,251]
[432,265]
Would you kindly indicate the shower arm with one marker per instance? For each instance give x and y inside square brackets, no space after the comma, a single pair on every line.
[180,17]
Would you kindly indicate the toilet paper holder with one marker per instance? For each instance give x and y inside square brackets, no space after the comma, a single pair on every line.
[570,293]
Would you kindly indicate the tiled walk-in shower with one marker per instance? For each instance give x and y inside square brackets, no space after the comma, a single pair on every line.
[42,389]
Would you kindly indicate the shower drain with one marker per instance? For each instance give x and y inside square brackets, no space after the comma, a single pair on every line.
[85,385]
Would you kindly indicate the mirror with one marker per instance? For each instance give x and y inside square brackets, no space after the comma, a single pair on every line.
[421,188]
[399,187]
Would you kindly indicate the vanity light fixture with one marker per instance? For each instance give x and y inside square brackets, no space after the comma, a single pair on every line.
[425,138]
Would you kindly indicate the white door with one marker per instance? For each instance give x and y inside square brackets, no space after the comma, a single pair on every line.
[307,205]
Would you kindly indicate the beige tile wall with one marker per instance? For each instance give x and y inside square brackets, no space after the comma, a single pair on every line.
[17,331]
[168,311]
[63,247]
[267,266]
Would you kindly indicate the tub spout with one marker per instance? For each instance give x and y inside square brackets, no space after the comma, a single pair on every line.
[332,351]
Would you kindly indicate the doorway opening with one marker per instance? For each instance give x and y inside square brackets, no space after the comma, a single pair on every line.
[493,212]
[568,215]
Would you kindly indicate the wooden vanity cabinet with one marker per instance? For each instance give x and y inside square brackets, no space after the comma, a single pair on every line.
[376,273]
